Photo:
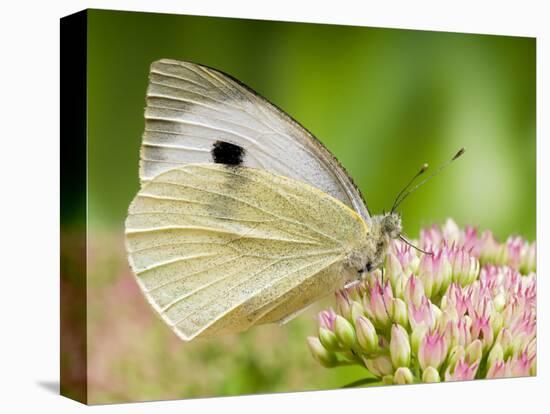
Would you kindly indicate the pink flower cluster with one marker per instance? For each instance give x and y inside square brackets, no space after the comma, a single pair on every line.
[465,311]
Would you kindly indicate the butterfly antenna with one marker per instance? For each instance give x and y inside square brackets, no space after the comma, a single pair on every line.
[421,183]
[415,247]
[418,174]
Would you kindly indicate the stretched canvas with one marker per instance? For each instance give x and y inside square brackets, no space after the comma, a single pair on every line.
[257,206]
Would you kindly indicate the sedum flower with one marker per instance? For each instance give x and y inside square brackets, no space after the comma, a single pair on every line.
[432,350]
[465,311]
[326,329]
[345,333]
[465,267]
[495,356]
[400,348]
[380,366]
[430,374]
[462,371]
[377,303]
[399,312]
[343,305]
[435,272]
[321,354]
[326,319]
[367,338]
[403,375]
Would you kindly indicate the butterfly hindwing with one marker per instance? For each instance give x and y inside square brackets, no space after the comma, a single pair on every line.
[219,248]
[193,111]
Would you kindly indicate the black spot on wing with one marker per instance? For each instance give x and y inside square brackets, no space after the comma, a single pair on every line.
[227,153]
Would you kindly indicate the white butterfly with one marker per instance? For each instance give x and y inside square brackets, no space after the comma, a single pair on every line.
[243,216]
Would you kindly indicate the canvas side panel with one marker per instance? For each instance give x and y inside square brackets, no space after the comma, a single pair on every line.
[73,126]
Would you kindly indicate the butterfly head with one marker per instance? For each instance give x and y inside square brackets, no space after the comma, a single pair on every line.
[390,225]
[370,253]
[385,227]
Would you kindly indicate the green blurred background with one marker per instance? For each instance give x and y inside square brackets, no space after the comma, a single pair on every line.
[384,101]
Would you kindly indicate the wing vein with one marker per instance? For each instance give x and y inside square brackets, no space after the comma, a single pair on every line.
[198,272]
[253,206]
[250,296]
[172,261]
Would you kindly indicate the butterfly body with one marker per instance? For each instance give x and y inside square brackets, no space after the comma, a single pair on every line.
[243,217]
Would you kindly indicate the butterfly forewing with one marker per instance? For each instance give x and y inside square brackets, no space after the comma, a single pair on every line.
[218,248]
[190,107]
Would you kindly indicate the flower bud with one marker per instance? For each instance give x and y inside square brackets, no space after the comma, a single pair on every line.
[451,232]
[323,356]
[514,245]
[456,354]
[518,343]
[462,371]
[436,312]
[435,271]
[499,301]
[432,350]
[400,348]
[444,319]
[501,256]
[465,267]
[423,314]
[488,251]
[407,257]
[380,366]
[481,328]
[416,337]
[474,271]
[496,320]
[344,332]
[343,306]
[355,291]
[496,355]
[326,319]
[393,269]
[366,334]
[414,264]
[414,291]
[474,351]
[461,334]
[387,380]
[399,288]
[399,312]
[430,374]
[497,370]
[403,375]
[520,364]
[456,300]
[446,273]
[506,341]
[356,310]
[328,339]
[379,296]
[528,261]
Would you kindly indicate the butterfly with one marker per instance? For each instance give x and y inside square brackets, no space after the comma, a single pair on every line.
[243,216]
